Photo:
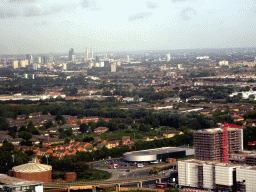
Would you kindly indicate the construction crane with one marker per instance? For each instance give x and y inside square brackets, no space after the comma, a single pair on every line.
[225,138]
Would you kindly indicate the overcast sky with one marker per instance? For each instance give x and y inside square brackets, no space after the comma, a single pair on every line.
[43,26]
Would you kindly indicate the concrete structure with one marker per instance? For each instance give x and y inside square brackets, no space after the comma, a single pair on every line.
[16,97]
[39,59]
[202,57]
[50,66]
[213,175]
[97,64]
[15,64]
[86,56]
[91,65]
[223,63]
[158,154]
[113,67]
[168,57]
[118,63]
[245,94]
[64,66]
[35,66]
[33,172]
[70,176]
[209,146]
[90,55]
[24,63]
[70,53]
[127,58]
[50,57]
[74,58]
[15,184]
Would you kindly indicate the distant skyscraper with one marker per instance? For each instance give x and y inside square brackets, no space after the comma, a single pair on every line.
[97,59]
[39,59]
[24,63]
[15,64]
[113,67]
[71,52]
[128,58]
[74,58]
[118,63]
[91,65]
[168,57]
[86,57]
[50,66]
[51,58]
[44,59]
[91,55]
[30,58]
[64,66]
[35,65]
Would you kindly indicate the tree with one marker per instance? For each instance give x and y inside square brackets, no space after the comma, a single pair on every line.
[67,141]
[136,98]
[3,123]
[22,128]
[84,127]
[25,135]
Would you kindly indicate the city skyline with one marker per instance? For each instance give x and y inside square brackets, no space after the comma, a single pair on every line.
[43,26]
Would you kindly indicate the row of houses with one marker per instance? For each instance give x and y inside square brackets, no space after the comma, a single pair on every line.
[57,148]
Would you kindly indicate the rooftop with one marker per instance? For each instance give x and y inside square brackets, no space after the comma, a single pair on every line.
[158,151]
[32,168]
[13,181]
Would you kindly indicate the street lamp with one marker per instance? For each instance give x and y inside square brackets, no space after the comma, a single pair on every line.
[47,156]
[13,158]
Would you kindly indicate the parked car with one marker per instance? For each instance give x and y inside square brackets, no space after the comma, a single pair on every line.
[140,165]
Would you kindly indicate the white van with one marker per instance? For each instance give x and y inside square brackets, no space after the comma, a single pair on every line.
[154,161]
[140,165]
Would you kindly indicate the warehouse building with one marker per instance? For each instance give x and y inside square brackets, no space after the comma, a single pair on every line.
[158,154]
[15,184]
[33,172]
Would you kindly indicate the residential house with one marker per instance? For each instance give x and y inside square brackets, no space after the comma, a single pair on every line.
[169,134]
[96,139]
[113,143]
[172,99]
[195,98]
[100,130]
[126,140]
[147,138]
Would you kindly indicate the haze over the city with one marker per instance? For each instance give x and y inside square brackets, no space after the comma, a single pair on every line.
[43,26]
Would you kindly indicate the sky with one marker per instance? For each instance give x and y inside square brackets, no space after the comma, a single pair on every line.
[44,26]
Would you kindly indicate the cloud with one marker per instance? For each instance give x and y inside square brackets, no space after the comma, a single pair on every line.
[34,11]
[151,5]
[90,5]
[41,24]
[138,16]
[22,1]
[177,0]
[8,13]
[188,13]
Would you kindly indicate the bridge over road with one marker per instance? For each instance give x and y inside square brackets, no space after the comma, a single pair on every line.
[106,183]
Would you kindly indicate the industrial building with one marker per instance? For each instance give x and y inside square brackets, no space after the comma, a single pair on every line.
[33,172]
[159,154]
[14,184]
